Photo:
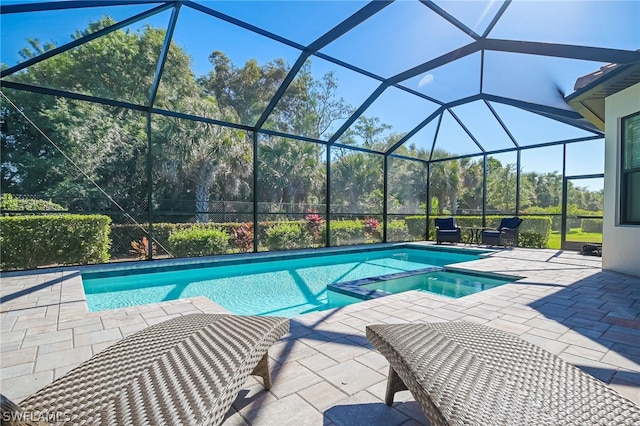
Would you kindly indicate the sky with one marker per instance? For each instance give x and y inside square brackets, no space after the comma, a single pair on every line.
[400,36]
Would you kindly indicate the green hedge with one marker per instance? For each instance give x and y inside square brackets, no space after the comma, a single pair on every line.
[592,225]
[293,234]
[532,240]
[198,241]
[397,230]
[347,232]
[30,241]
[9,202]
[572,223]
[123,234]
[417,227]
[288,236]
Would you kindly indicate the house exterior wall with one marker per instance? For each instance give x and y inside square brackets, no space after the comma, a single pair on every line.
[621,243]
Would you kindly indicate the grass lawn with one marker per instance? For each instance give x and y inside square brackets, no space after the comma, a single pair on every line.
[575,235]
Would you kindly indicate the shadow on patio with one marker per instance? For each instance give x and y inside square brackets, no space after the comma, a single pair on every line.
[32,289]
[604,309]
[374,414]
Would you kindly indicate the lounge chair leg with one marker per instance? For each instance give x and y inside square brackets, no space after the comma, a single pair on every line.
[262,370]
[394,384]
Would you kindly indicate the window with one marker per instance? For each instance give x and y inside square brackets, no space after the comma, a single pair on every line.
[630,190]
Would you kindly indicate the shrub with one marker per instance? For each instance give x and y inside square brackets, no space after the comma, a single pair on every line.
[534,231]
[314,223]
[397,230]
[556,223]
[573,223]
[371,227]
[417,227]
[243,237]
[346,232]
[287,236]
[9,202]
[123,234]
[140,249]
[592,225]
[532,240]
[265,225]
[473,221]
[198,241]
[66,239]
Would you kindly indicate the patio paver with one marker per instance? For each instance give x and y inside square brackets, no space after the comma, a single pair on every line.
[324,371]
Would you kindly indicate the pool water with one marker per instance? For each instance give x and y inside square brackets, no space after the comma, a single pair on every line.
[285,287]
[444,283]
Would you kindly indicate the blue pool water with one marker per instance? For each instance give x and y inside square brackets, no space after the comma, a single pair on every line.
[444,283]
[286,287]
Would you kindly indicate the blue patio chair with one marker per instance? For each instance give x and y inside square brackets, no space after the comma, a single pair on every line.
[505,234]
[447,230]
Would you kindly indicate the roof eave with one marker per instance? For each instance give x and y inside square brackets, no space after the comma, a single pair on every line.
[589,100]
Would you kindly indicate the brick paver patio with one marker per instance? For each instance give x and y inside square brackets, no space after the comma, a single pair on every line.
[324,371]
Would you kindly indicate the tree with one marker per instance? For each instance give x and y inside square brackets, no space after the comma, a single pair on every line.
[402,193]
[501,186]
[470,185]
[108,144]
[540,190]
[444,181]
[369,130]
[248,89]
[290,172]
[355,177]
[199,153]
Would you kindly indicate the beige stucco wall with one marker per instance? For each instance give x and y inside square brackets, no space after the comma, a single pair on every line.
[621,243]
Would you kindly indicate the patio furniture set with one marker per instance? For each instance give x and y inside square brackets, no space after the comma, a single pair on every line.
[188,370]
[506,234]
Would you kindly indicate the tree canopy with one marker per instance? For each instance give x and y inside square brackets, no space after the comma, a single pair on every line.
[194,162]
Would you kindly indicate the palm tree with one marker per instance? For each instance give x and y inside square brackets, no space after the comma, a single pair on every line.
[199,154]
[444,181]
[356,178]
[290,172]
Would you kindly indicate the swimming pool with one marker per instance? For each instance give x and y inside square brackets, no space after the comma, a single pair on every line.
[288,286]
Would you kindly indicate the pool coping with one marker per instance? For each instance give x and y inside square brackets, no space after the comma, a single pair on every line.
[357,290]
[165,265]
[137,266]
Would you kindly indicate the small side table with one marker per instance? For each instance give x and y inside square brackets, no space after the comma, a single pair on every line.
[473,234]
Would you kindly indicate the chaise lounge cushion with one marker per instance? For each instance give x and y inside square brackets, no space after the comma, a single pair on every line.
[466,373]
[187,370]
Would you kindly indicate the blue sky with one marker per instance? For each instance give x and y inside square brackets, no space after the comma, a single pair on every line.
[402,35]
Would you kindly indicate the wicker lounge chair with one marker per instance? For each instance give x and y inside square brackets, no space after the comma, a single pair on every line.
[187,370]
[447,230]
[465,373]
[505,234]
